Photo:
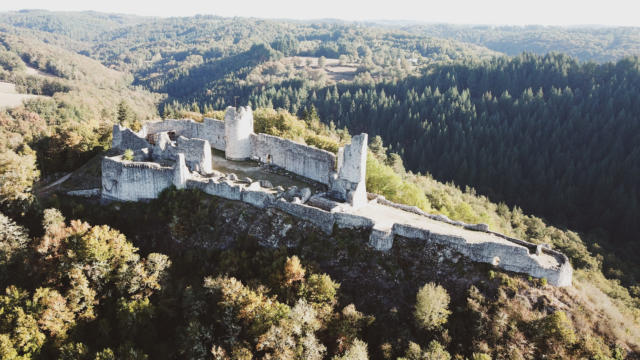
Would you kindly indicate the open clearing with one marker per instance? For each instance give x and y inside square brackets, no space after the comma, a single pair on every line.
[334,70]
[36,72]
[10,98]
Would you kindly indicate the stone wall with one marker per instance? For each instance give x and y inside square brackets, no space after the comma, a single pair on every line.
[124,138]
[349,184]
[128,181]
[312,163]
[505,255]
[322,219]
[211,130]
[184,127]
[351,221]
[197,153]
[353,165]
[133,181]
[235,136]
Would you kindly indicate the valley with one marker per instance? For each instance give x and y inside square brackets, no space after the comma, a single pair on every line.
[492,152]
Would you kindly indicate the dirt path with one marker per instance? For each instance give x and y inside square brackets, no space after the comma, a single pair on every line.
[55,183]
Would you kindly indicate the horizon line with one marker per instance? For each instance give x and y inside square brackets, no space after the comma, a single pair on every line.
[330,19]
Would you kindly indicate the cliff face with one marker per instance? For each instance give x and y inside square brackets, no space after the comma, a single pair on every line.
[374,281]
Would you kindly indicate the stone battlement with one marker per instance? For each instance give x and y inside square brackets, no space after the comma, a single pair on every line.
[160,162]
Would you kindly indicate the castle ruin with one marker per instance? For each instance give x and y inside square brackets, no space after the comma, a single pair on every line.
[179,153]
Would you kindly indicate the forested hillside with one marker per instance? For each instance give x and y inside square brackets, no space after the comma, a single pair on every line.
[68,124]
[80,26]
[585,43]
[547,134]
[174,278]
[544,132]
[527,130]
[556,137]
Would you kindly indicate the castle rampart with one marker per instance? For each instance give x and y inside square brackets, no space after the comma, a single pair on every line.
[306,161]
[346,205]
[133,181]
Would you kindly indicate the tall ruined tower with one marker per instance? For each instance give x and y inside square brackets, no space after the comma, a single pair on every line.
[238,127]
[349,184]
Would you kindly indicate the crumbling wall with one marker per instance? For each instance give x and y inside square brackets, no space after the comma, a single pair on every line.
[222,188]
[197,153]
[124,138]
[505,255]
[133,181]
[323,219]
[213,132]
[254,195]
[184,127]
[351,221]
[349,184]
[163,148]
[312,163]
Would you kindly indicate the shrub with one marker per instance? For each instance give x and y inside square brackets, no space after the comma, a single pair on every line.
[480,356]
[557,326]
[432,303]
[435,351]
[357,351]
[128,155]
[18,172]
[381,179]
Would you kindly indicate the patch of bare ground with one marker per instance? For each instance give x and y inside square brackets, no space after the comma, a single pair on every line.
[9,97]
[333,69]
[37,72]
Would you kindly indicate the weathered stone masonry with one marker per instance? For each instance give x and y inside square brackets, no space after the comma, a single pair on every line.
[185,162]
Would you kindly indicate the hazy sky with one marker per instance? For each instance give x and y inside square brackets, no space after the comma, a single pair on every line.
[518,12]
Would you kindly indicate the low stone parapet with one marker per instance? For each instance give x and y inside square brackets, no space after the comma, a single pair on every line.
[323,219]
[505,255]
[351,221]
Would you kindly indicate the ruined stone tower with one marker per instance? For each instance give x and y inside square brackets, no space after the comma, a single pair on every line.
[238,127]
[349,184]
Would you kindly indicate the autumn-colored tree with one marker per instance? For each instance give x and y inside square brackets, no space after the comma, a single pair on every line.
[293,271]
[18,172]
[432,306]
[13,248]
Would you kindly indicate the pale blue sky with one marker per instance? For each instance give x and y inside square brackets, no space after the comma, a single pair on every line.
[517,12]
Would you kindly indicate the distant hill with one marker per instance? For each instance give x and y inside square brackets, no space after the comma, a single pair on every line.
[82,101]
[83,26]
[585,43]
